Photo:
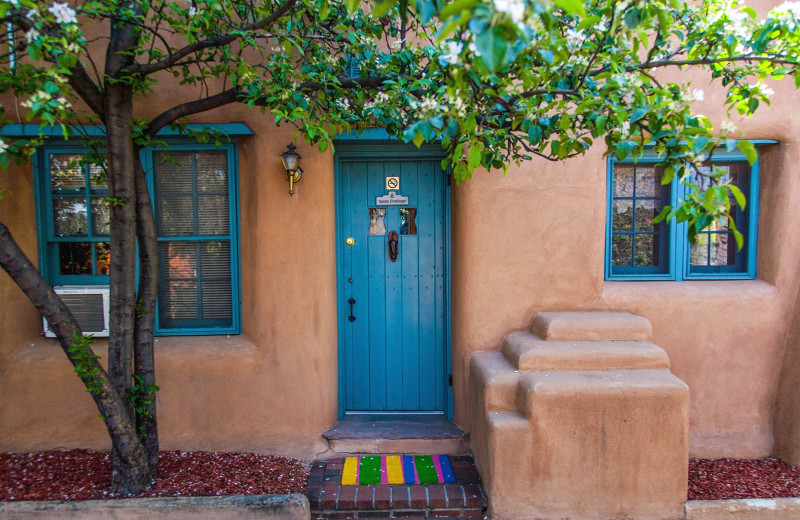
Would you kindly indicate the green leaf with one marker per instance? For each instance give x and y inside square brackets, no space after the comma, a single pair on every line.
[749,151]
[633,18]
[669,174]
[738,195]
[456,8]
[573,7]
[381,8]
[493,48]
[352,5]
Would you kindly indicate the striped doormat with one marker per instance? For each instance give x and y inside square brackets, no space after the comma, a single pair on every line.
[397,469]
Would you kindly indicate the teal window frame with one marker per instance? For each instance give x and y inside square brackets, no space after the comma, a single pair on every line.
[48,243]
[678,265]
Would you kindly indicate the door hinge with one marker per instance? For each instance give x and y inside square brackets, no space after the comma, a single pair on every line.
[450,379]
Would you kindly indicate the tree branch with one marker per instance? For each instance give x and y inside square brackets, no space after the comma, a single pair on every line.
[192,107]
[173,58]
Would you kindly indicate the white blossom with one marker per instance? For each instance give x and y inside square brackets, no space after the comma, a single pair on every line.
[625,127]
[382,97]
[788,13]
[31,34]
[513,8]
[31,14]
[728,127]
[575,39]
[3,146]
[64,13]
[697,95]
[454,49]
[764,89]
[192,11]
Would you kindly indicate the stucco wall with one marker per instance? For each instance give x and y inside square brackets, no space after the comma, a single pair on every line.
[523,243]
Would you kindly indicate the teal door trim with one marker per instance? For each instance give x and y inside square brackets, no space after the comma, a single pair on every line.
[387,150]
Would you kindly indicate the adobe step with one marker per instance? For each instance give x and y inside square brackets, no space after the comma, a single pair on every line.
[526,351]
[397,433]
[591,326]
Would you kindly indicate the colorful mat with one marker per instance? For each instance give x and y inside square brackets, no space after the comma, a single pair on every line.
[397,469]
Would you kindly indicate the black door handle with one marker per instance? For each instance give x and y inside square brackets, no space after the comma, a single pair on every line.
[393,239]
[352,302]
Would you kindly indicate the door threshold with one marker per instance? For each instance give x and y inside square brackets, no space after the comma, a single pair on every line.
[395,426]
[407,433]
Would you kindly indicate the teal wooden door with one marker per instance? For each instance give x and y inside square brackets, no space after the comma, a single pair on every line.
[392,281]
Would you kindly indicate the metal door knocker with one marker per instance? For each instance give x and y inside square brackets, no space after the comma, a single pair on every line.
[393,246]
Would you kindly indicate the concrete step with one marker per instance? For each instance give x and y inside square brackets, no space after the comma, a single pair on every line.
[496,379]
[397,433]
[526,351]
[591,326]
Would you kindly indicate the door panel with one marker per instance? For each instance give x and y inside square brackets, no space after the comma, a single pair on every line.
[393,354]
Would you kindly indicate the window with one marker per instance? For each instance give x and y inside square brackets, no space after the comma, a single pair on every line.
[639,249]
[194,191]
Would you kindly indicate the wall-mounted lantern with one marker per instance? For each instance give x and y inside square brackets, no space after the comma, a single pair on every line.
[291,163]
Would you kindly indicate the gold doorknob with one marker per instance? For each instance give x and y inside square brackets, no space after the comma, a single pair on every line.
[350,241]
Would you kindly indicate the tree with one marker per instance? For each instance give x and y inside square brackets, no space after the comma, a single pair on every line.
[495,82]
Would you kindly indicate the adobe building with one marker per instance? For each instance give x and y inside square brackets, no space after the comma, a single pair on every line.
[586,351]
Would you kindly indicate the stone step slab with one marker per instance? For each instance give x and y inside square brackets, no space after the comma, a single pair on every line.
[591,326]
[526,351]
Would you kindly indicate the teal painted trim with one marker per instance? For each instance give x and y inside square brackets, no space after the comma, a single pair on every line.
[340,280]
[448,284]
[367,134]
[41,214]
[650,155]
[31,130]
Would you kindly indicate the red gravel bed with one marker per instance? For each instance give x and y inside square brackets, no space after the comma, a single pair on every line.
[722,479]
[85,475]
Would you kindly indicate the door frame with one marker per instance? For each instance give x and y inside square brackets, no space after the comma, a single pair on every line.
[375,144]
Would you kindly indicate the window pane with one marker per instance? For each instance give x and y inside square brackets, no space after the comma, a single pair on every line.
[622,219]
[176,216]
[623,180]
[698,254]
[622,250]
[215,257]
[646,211]
[66,172]
[212,215]
[180,259]
[103,254]
[646,250]
[723,249]
[212,172]
[69,216]
[101,217]
[75,258]
[648,181]
[174,172]
[377,224]
[408,221]
[98,179]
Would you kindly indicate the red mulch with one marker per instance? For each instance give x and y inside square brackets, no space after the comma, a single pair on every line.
[721,479]
[84,475]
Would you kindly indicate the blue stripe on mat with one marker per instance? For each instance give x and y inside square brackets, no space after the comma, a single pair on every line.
[447,470]
[408,469]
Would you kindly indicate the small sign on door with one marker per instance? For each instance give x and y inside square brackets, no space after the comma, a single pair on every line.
[392,183]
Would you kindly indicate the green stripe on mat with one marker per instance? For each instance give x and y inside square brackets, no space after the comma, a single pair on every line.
[426,471]
[370,471]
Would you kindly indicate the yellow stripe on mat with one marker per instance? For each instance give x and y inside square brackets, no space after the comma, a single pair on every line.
[350,471]
[394,469]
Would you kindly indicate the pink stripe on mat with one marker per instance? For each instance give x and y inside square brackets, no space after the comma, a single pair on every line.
[358,470]
[384,475]
[438,466]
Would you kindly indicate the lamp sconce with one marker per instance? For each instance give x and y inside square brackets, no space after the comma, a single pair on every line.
[291,163]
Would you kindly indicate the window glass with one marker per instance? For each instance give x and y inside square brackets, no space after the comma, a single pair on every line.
[377,221]
[637,243]
[408,221]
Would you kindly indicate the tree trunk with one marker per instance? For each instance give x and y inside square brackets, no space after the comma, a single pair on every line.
[126,477]
[111,405]
[143,355]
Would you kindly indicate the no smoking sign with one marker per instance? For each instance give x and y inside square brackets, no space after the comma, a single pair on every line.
[392,183]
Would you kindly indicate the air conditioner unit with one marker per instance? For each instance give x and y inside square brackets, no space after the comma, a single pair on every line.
[89,305]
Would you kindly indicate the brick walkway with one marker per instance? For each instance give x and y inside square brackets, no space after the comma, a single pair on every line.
[329,499]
